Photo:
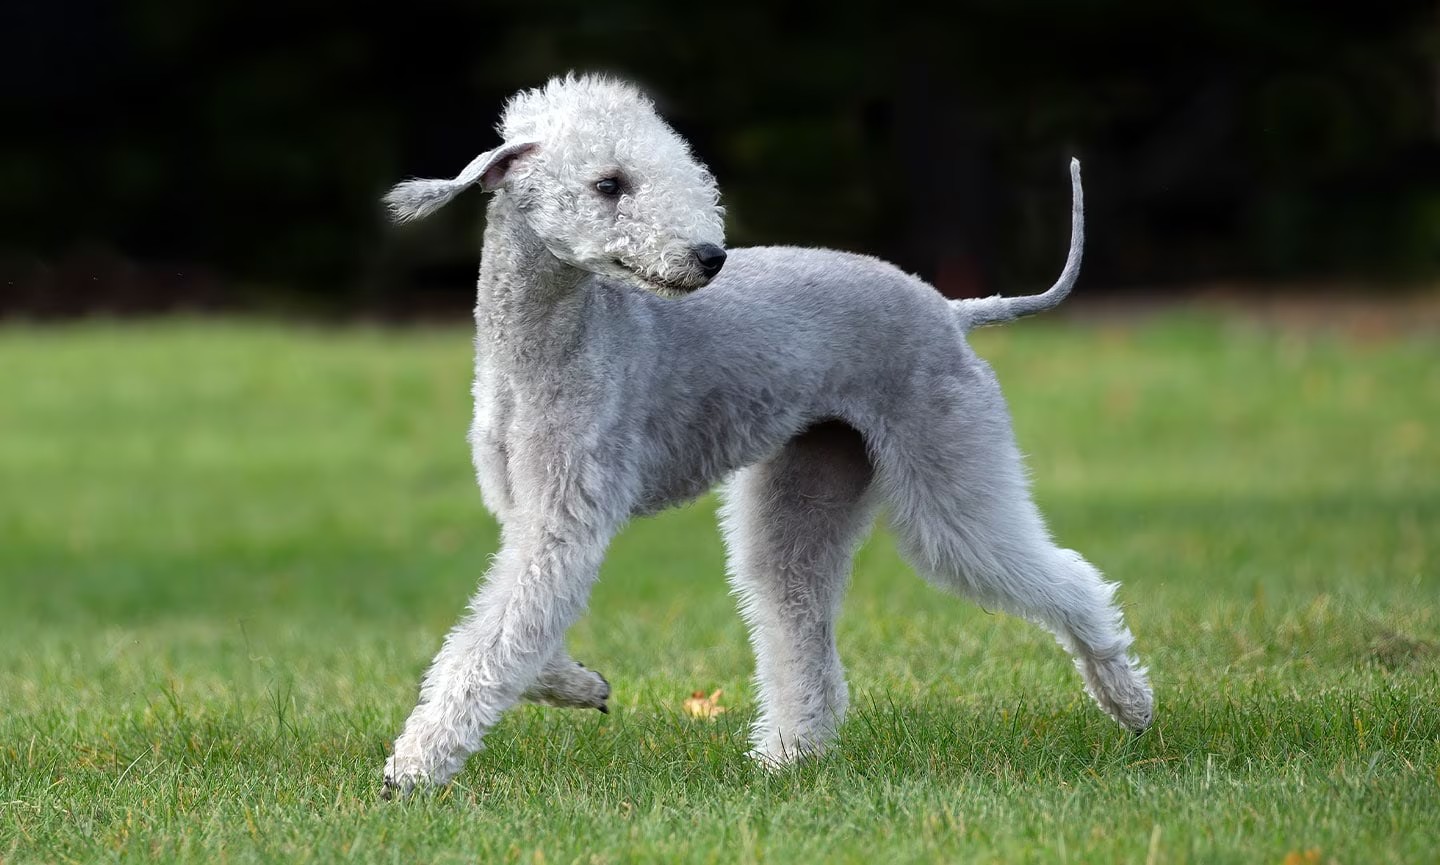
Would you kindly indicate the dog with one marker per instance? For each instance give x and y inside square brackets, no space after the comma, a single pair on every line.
[821,385]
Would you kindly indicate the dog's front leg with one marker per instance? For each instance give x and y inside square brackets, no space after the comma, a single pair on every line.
[537,587]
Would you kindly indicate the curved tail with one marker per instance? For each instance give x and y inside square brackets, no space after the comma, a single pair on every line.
[978,312]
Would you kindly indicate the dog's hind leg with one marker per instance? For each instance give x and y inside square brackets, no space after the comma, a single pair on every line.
[964,518]
[792,524]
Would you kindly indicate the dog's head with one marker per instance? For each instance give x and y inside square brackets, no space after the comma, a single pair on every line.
[601,180]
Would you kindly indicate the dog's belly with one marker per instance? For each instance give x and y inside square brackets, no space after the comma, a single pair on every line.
[702,447]
[686,472]
[676,492]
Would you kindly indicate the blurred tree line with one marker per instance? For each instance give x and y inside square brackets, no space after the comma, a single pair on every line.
[161,154]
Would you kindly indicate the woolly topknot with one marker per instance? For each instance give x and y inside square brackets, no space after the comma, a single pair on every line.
[542,112]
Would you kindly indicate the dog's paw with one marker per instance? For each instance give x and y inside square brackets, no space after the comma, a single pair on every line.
[397,782]
[572,686]
[775,752]
[1122,688]
[401,779]
[411,769]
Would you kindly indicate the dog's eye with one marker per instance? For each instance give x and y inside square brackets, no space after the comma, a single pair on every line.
[608,186]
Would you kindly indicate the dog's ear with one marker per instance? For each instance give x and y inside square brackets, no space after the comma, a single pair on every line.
[496,164]
[417,199]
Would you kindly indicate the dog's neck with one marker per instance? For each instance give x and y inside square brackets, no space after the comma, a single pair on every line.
[528,305]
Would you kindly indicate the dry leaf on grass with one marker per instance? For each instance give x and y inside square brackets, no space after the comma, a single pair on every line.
[700,706]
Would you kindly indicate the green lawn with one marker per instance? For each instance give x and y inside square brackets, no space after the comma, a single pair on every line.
[228,551]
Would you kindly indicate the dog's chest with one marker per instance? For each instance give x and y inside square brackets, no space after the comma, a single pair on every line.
[493,399]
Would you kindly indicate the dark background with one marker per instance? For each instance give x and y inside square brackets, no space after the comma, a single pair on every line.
[161,156]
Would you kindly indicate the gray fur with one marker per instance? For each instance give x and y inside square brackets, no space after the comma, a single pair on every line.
[825,385]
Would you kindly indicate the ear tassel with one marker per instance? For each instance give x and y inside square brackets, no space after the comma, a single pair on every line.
[417,199]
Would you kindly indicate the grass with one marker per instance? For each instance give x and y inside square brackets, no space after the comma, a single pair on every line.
[228,550]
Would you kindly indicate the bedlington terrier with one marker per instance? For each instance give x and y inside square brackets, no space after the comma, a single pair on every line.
[824,385]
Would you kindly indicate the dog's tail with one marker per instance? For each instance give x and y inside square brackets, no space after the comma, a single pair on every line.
[978,312]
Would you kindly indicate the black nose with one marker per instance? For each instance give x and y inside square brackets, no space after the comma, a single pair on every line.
[711,258]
